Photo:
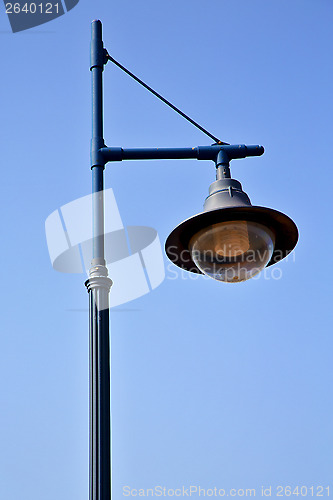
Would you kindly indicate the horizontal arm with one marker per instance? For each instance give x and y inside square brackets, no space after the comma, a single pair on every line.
[104,155]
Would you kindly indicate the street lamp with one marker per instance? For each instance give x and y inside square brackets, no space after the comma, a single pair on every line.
[230,241]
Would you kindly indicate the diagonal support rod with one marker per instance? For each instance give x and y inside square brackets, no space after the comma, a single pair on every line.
[163,99]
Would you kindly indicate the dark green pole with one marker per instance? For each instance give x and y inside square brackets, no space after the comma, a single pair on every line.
[98,286]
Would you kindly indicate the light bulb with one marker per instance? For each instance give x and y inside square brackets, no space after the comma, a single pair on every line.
[232,251]
[232,239]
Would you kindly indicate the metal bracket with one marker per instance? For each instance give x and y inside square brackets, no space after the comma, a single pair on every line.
[221,155]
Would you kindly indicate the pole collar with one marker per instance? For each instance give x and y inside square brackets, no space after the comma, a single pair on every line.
[98,278]
[98,55]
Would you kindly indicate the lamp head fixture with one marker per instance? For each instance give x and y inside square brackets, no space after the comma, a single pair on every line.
[231,240]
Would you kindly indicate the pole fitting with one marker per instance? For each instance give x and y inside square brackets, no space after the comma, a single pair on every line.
[98,278]
[222,165]
[98,56]
[96,153]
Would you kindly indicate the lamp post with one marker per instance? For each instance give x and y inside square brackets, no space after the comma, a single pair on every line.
[230,241]
[98,286]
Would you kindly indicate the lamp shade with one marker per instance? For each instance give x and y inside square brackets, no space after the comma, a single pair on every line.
[231,240]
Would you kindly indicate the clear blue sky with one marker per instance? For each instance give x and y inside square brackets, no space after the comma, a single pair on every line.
[215,385]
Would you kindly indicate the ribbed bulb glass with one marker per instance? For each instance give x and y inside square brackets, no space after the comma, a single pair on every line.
[232,239]
[232,251]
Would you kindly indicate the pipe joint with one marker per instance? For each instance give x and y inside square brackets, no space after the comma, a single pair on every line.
[98,55]
[97,156]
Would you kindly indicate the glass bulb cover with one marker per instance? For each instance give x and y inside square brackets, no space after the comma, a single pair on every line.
[232,251]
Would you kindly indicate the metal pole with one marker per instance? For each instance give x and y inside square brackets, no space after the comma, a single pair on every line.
[98,286]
